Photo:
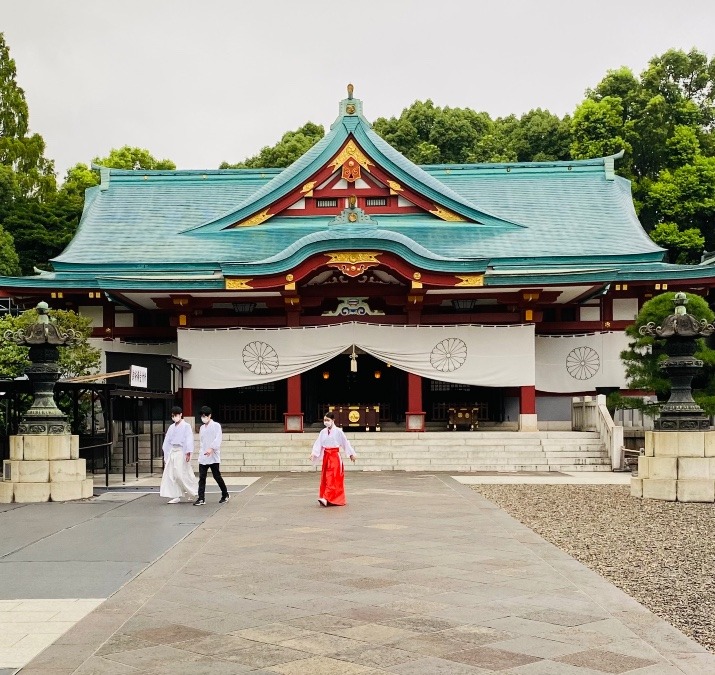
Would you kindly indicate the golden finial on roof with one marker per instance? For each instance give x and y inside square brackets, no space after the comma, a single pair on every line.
[350,91]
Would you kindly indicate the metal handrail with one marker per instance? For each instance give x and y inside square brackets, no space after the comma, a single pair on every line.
[93,447]
[135,454]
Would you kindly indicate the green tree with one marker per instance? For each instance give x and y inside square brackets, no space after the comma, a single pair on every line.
[292,146]
[130,158]
[21,151]
[41,230]
[685,196]
[9,261]
[78,179]
[597,129]
[412,130]
[539,136]
[645,353]
[685,246]
[665,122]
[428,134]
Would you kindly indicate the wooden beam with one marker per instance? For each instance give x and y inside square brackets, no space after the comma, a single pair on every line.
[97,376]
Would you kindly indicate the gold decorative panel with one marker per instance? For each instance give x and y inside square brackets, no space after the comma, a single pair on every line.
[353,257]
[446,214]
[256,219]
[353,263]
[473,280]
[238,284]
[351,151]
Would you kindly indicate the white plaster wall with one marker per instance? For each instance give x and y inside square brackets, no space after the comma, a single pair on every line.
[625,309]
[93,312]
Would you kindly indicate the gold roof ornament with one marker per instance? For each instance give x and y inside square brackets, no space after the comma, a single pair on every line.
[352,151]
[236,284]
[256,219]
[350,91]
[470,280]
[446,214]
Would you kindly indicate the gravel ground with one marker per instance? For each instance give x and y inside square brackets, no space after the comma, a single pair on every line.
[660,553]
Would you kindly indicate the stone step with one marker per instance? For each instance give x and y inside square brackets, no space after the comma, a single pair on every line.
[464,468]
[470,451]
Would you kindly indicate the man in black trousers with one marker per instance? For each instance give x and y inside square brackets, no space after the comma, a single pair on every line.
[210,456]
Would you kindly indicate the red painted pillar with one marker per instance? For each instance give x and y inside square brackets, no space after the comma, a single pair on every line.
[293,403]
[187,402]
[527,400]
[293,417]
[414,392]
[415,416]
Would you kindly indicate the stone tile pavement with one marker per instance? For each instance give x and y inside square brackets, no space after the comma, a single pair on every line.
[58,562]
[417,575]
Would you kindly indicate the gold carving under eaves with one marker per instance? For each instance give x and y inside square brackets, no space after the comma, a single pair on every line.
[446,214]
[351,151]
[353,263]
[474,280]
[238,284]
[256,220]
[394,187]
[307,189]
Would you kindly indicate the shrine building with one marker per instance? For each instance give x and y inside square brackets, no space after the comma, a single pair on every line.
[356,280]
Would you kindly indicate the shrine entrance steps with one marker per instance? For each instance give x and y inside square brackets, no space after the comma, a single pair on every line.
[456,451]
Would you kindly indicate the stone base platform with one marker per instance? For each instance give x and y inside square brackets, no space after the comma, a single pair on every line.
[677,466]
[44,468]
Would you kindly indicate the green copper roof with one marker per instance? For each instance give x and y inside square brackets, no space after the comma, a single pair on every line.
[303,169]
[568,221]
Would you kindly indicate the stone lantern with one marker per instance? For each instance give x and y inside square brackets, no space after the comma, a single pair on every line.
[681,332]
[44,459]
[43,338]
[680,452]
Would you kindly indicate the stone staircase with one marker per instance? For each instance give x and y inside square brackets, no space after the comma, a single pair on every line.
[454,451]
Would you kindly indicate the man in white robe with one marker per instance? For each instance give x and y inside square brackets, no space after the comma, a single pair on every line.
[178,478]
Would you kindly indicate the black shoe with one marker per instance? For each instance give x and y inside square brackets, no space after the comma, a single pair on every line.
[200,501]
[224,499]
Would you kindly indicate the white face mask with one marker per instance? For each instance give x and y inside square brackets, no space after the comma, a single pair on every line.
[328,423]
[204,419]
[176,418]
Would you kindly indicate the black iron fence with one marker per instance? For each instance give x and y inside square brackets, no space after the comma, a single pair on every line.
[104,416]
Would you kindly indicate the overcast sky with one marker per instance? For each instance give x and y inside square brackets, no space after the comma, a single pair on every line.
[203,81]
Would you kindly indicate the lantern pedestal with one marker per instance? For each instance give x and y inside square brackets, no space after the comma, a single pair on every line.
[677,466]
[44,468]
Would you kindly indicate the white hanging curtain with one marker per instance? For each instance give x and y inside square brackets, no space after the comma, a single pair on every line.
[576,363]
[493,356]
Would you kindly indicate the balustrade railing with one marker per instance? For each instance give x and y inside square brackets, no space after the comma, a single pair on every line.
[589,413]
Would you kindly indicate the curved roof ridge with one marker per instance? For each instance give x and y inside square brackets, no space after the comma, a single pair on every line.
[544,164]
[418,174]
[285,179]
[340,234]
[350,122]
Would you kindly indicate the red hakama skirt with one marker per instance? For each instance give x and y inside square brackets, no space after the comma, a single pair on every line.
[332,478]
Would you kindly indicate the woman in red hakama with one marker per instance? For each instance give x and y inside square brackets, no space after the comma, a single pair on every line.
[327,448]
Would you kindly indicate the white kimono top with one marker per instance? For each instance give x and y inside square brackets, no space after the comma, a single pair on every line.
[178,434]
[331,438]
[210,437]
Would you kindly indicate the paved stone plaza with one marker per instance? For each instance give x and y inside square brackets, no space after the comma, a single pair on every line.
[417,575]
